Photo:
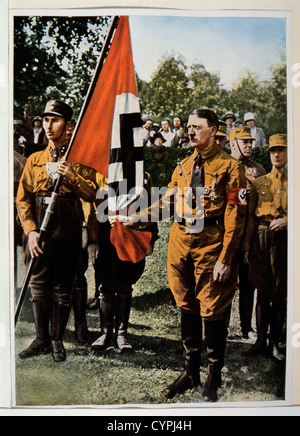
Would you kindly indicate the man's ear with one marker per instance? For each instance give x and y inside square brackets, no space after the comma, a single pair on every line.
[214,130]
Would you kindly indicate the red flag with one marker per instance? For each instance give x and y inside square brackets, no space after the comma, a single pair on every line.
[92,143]
[109,139]
[135,244]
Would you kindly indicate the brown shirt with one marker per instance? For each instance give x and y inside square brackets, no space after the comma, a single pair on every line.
[224,183]
[35,181]
[267,201]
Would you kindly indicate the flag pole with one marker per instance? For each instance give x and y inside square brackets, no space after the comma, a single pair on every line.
[54,195]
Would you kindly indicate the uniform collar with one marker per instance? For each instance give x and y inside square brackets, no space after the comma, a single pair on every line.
[62,148]
[208,152]
[278,172]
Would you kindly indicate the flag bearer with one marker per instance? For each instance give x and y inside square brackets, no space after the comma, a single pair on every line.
[59,256]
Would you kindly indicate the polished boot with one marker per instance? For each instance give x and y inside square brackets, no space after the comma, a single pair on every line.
[262,323]
[123,305]
[94,303]
[277,320]
[41,344]
[191,331]
[60,317]
[79,308]
[107,312]
[215,338]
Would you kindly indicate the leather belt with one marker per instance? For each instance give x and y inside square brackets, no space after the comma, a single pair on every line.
[211,221]
[46,200]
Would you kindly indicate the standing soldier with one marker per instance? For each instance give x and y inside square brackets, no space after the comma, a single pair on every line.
[265,247]
[221,136]
[58,258]
[117,279]
[241,148]
[202,263]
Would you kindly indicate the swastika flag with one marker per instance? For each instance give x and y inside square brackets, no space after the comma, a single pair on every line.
[109,136]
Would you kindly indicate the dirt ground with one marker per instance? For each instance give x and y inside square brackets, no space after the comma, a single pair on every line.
[111,379]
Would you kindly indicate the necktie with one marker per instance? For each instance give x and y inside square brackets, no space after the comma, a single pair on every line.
[54,154]
[196,180]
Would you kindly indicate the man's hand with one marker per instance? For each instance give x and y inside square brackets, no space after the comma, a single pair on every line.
[278,224]
[65,170]
[33,244]
[93,251]
[125,220]
[221,272]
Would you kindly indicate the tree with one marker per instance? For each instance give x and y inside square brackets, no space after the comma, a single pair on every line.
[55,58]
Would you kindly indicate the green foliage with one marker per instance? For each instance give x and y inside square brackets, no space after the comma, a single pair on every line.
[161,164]
[55,58]
[262,156]
[161,171]
[176,89]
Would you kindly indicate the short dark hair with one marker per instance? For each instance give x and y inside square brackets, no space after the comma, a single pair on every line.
[208,114]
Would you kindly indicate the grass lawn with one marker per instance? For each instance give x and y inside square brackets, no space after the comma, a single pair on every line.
[104,379]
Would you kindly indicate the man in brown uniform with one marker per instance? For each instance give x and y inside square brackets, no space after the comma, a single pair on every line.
[241,148]
[58,258]
[202,262]
[265,247]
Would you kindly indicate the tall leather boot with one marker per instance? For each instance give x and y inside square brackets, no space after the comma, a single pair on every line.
[107,313]
[41,344]
[60,317]
[277,319]
[262,323]
[94,303]
[79,308]
[191,331]
[123,306]
[215,337]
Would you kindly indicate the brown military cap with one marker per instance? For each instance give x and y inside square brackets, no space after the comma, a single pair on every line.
[222,129]
[242,132]
[58,108]
[278,140]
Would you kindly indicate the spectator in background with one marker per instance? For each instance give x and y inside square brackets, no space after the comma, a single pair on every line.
[257,132]
[181,133]
[147,129]
[229,120]
[166,132]
[27,116]
[37,141]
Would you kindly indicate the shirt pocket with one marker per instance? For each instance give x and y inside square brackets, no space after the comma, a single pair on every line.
[214,183]
[264,195]
[41,176]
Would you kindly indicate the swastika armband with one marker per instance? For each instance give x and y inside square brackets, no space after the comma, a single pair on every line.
[237,196]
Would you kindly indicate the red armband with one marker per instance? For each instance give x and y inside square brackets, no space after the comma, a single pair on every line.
[237,196]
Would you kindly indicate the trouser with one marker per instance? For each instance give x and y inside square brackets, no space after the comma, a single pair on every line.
[190,263]
[268,273]
[55,270]
[246,298]
[117,278]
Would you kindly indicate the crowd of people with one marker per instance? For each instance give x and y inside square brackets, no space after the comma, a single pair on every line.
[167,134]
[243,240]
